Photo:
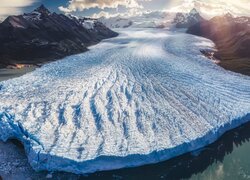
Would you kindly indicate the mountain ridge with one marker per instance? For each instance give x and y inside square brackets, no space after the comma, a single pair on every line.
[185,20]
[42,36]
[232,38]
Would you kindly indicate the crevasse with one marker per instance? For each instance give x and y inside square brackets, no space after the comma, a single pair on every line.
[143,97]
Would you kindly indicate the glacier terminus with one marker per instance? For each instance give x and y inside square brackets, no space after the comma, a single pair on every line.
[145,96]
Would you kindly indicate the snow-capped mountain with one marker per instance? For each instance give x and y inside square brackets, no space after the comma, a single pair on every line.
[211,8]
[38,14]
[40,36]
[154,19]
[187,14]
[185,20]
[88,23]
[116,22]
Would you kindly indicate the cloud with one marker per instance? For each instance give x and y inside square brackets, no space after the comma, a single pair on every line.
[104,14]
[130,13]
[65,10]
[210,8]
[80,5]
[13,7]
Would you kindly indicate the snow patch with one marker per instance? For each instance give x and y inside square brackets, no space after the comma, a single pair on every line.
[34,16]
[88,24]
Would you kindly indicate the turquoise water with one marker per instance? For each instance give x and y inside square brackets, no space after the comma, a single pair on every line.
[234,165]
[6,74]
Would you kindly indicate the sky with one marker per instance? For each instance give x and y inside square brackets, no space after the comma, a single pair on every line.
[97,8]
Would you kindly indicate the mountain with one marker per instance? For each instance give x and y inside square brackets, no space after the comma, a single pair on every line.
[185,20]
[42,36]
[154,19]
[232,38]
[116,22]
[211,8]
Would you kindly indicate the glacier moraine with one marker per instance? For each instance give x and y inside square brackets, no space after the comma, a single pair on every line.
[143,97]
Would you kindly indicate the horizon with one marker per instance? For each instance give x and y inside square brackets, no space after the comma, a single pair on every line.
[125,8]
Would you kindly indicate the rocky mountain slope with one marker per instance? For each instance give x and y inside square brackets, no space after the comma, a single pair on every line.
[232,38]
[42,36]
[185,20]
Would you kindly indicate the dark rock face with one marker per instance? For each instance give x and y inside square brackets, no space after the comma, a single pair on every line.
[232,38]
[183,20]
[42,36]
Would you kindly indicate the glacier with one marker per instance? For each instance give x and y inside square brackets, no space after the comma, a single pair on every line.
[145,96]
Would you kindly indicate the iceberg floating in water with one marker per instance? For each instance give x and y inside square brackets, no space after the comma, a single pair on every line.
[143,97]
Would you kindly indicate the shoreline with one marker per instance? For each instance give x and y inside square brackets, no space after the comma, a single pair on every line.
[235,64]
[10,73]
[211,54]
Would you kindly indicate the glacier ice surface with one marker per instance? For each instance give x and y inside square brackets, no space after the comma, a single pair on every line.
[143,97]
